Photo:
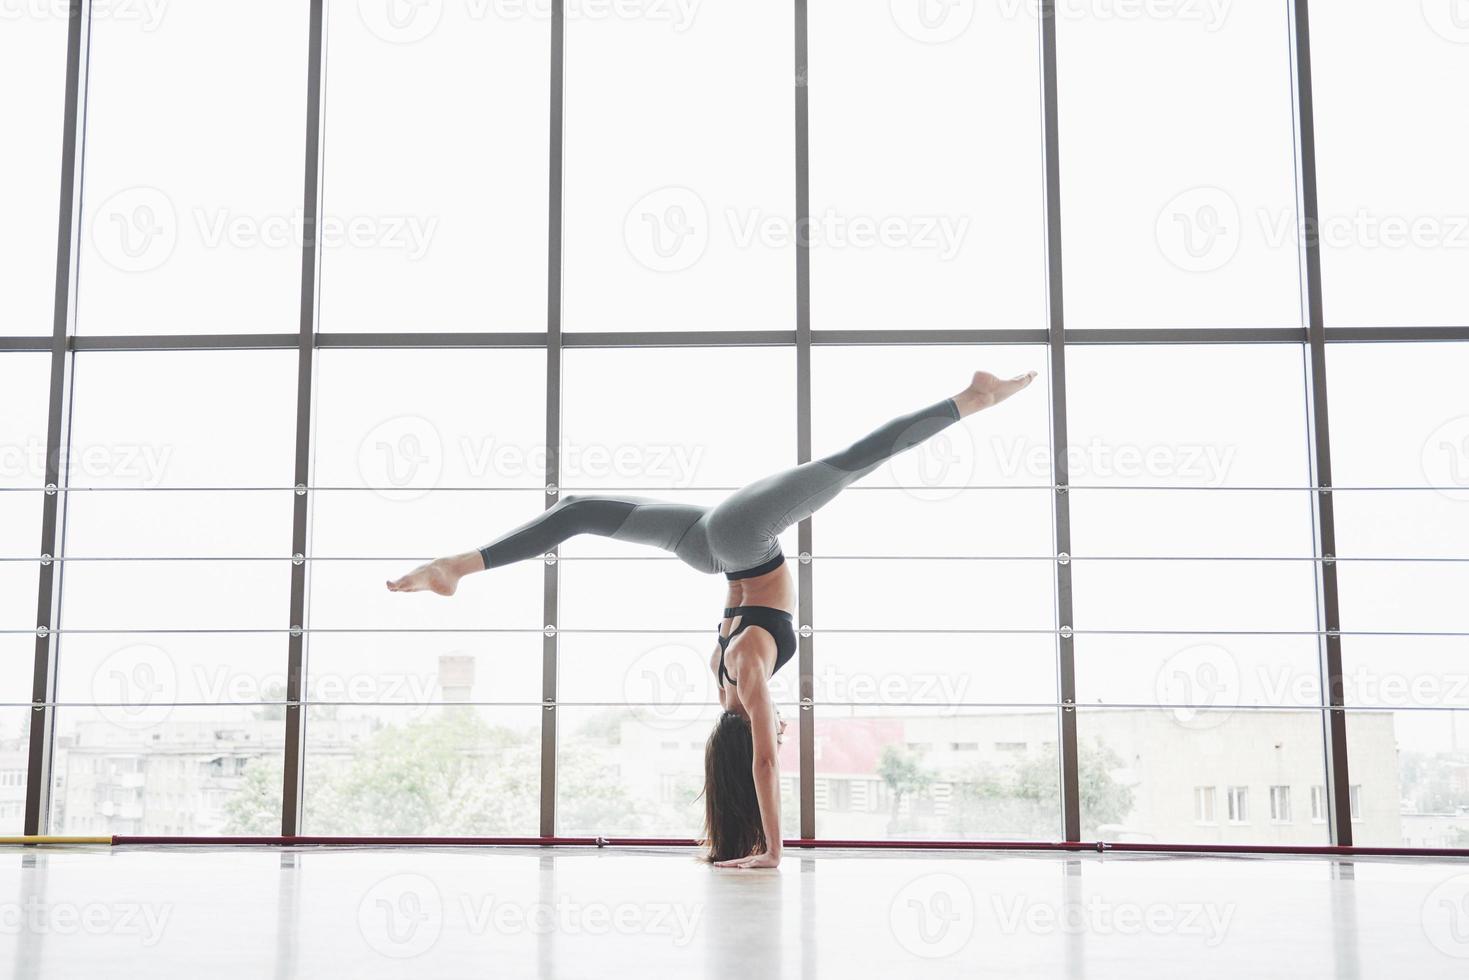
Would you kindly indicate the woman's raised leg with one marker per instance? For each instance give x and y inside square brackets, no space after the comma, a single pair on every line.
[743,528]
[640,520]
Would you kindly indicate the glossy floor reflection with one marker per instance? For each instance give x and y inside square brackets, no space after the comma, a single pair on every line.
[460,912]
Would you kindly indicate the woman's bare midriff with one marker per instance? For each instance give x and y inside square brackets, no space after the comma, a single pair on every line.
[776,589]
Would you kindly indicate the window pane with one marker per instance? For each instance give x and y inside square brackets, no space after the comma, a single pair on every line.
[666,676]
[145,424]
[33,62]
[15,727]
[1390,142]
[365,771]
[145,757]
[1407,775]
[1410,746]
[1178,416]
[900,773]
[935,595]
[1183,558]
[636,773]
[1191,674]
[145,420]
[661,417]
[940,526]
[916,220]
[25,385]
[1179,198]
[1141,770]
[24,391]
[1188,429]
[855,389]
[424,453]
[434,183]
[1419,438]
[644,422]
[427,453]
[937,670]
[680,203]
[193,190]
[168,770]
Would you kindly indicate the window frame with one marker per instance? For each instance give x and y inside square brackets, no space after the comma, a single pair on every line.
[1343,803]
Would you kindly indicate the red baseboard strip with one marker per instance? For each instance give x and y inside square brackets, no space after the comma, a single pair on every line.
[1102,847]
[305,840]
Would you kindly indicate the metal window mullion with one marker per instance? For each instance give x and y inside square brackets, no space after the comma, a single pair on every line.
[1328,607]
[805,651]
[551,583]
[1061,509]
[293,782]
[58,423]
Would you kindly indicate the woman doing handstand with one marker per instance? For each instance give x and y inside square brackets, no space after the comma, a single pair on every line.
[738,537]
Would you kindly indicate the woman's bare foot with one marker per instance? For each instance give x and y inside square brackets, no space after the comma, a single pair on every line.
[987,390]
[441,575]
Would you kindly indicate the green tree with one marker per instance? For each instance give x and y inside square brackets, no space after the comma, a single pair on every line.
[903,773]
[1103,799]
[255,808]
[447,773]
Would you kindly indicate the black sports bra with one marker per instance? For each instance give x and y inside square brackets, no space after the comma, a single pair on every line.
[777,622]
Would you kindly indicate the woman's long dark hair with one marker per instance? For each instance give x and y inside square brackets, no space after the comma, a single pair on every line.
[732,827]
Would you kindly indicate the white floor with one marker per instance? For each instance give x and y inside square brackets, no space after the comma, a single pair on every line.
[461,912]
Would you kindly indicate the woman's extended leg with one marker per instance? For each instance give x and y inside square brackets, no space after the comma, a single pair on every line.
[640,520]
[742,530]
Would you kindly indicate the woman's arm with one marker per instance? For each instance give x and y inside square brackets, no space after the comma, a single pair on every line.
[764,730]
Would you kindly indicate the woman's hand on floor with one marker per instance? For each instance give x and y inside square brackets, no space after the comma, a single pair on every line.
[764,860]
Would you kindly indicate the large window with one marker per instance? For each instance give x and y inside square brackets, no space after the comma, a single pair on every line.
[1178,195]
[23,409]
[1404,523]
[663,250]
[679,167]
[435,198]
[1394,211]
[935,675]
[192,189]
[425,452]
[1194,585]
[640,627]
[919,220]
[33,61]
[170,643]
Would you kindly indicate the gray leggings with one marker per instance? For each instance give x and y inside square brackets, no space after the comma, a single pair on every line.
[740,533]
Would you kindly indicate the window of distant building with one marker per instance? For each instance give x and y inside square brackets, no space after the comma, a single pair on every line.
[1280,804]
[1239,804]
[1204,811]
